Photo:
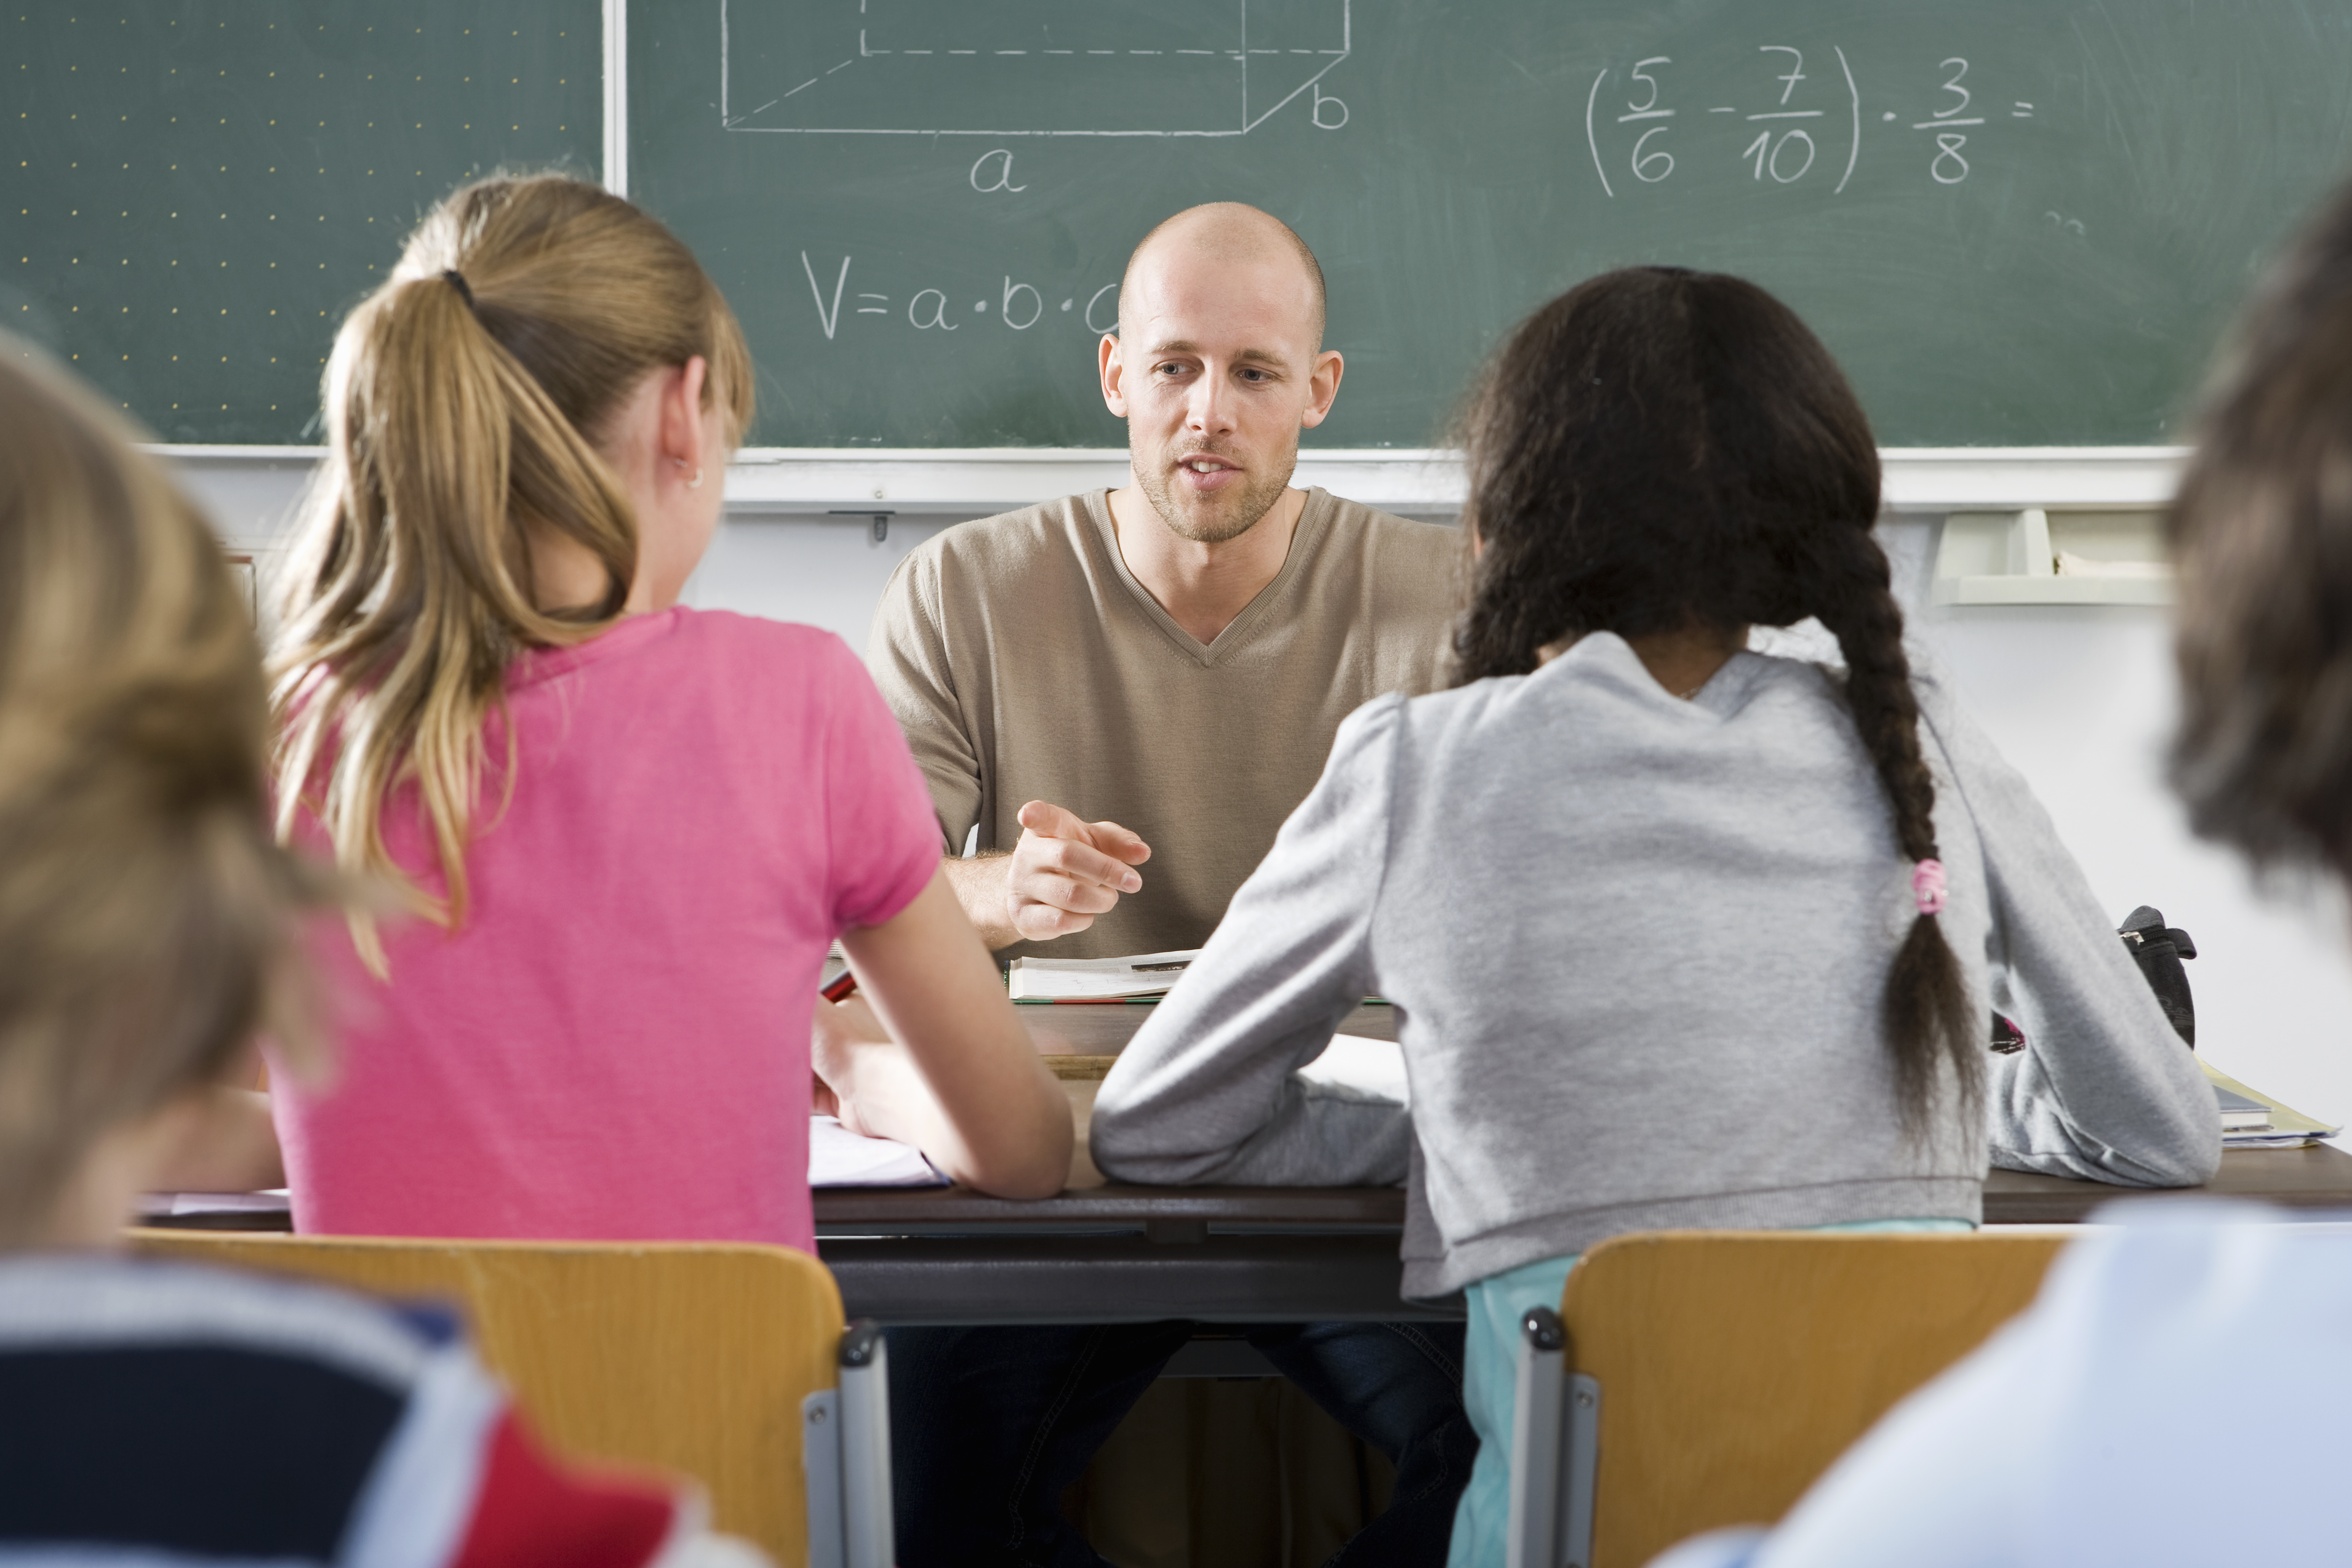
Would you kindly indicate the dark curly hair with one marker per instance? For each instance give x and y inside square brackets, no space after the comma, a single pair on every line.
[1660,449]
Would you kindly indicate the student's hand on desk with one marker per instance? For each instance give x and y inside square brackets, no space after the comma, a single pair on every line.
[941,1061]
[839,1032]
[1065,872]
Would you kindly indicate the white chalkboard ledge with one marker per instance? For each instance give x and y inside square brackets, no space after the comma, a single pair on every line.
[1925,480]
[974,481]
[2038,556]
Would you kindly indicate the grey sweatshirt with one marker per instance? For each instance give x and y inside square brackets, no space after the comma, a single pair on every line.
[1637,947]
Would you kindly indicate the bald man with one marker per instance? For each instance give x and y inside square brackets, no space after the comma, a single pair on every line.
[1126,693]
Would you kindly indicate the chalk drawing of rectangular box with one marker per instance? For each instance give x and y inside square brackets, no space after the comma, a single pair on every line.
[1062,67]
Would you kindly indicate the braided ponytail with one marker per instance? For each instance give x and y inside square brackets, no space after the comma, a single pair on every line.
[1660,450]
[1926,1007]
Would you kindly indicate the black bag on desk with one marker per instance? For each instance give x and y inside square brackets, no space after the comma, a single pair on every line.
[2157,950]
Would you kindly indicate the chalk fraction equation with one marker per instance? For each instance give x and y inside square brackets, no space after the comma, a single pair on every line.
[1007,302]
[1786,121]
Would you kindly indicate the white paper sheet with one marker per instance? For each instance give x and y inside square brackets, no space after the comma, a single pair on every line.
[153,1206]
[840,1158]
[1373,1069]
[837,1158]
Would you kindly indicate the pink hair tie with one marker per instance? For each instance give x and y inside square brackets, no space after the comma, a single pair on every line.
[1928,885]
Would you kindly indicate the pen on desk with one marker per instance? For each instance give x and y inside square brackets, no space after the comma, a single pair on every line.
[840,987]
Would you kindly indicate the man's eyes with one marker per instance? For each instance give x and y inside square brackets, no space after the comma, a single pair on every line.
[1247,373]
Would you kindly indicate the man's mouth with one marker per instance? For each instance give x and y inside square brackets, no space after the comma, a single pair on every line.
[1201,464]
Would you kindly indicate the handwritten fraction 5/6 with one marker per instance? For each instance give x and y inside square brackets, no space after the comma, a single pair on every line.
[1789,123]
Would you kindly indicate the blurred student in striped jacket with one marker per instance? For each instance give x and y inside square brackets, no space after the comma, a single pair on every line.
[160,1411]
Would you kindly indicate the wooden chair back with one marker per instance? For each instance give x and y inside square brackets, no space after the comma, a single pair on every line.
[691,1358]
[1736,1365]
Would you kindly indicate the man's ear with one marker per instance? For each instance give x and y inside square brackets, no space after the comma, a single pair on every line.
[1114,375]
[1322,387]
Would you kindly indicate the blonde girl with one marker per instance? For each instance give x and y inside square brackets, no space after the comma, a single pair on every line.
[624,831]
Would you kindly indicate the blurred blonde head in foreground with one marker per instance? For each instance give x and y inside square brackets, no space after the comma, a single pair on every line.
[146,916]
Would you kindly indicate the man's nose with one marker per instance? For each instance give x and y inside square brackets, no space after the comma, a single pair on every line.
[1211,407]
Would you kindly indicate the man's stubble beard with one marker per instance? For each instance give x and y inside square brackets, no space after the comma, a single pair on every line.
[1238,512]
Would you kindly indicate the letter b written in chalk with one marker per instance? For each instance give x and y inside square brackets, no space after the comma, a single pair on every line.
[1033,307]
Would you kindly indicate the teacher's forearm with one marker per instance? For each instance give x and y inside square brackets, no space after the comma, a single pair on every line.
[979,885]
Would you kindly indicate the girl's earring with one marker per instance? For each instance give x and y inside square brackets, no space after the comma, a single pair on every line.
[695,483]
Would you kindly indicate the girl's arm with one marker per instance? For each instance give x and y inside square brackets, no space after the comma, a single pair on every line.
[2105,1090]
[958,1077]
[1209,1090]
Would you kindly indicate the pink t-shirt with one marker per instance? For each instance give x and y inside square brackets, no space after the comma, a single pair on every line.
[616,1044]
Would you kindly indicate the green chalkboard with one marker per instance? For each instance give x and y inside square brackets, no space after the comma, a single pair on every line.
[193,193]
[2017,222]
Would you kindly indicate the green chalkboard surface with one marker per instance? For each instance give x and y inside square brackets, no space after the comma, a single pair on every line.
[2017,222]
[194,193]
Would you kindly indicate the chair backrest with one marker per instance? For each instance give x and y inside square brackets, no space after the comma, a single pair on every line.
[1734,1366]
[692,1358]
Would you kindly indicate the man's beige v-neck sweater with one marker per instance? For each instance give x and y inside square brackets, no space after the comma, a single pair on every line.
[1025,662]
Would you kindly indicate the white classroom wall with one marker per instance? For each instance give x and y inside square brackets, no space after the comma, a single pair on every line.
[2078,697]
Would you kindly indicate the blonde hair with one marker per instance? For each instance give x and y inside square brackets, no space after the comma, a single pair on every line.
[464,399]
[145,913]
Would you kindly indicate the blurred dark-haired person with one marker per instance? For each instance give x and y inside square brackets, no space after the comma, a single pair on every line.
[1678,934]
[2105,1427]
[160,1413]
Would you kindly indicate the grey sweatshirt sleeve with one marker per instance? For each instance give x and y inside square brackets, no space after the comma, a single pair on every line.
[2104,1089]
[1208,1090]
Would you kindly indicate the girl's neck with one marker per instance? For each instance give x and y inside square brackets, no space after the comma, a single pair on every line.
[1681,661]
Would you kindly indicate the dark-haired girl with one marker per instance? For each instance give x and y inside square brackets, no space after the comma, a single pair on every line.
[1678,934]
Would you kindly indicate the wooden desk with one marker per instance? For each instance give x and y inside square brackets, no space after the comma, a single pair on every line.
[1107,1252]
[1080,1041]
[2318,1177]
[1118,1253]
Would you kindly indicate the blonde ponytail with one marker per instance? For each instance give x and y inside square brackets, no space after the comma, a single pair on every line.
[463,399]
